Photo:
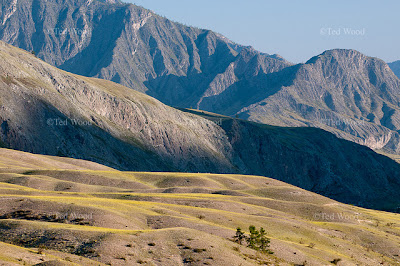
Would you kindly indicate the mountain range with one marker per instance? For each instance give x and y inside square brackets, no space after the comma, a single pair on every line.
[48,111]
[342,91]
[127,138]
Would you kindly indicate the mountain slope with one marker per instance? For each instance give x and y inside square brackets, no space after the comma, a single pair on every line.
[395,66]
[123,218]
[342,91]
[130,45]
[48,111]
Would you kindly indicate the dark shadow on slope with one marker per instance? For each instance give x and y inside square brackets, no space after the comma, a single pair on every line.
[99,53]
[181,91]
[315,160]
[248,91]
[318,161]
[184,91]
[219,59]
[38,37]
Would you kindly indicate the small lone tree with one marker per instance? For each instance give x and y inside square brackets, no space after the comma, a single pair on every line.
[239,237]
[253,238]
[264,242]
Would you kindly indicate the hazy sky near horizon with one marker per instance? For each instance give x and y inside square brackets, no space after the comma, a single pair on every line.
[296,30]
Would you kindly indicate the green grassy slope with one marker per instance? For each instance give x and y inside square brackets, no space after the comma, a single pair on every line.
[127,218]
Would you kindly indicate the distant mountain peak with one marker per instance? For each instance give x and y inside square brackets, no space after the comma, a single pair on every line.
[341,52]
[336,53]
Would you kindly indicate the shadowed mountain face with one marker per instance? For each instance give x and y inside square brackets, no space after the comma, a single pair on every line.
[48,111]
[395,66]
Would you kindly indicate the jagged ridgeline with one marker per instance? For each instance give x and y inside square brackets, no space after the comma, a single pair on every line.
[124,43]
[48,111]
[354,96]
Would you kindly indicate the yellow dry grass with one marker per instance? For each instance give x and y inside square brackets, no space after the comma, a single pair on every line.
[167,209]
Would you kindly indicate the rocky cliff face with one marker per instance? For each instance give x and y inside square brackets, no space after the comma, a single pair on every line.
[48,111]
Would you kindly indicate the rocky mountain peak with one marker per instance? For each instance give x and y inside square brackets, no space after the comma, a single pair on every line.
[338,55]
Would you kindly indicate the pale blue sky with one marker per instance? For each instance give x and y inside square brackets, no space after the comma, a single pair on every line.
[297,30]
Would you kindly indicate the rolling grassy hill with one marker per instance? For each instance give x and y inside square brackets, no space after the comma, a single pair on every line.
[74,211]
